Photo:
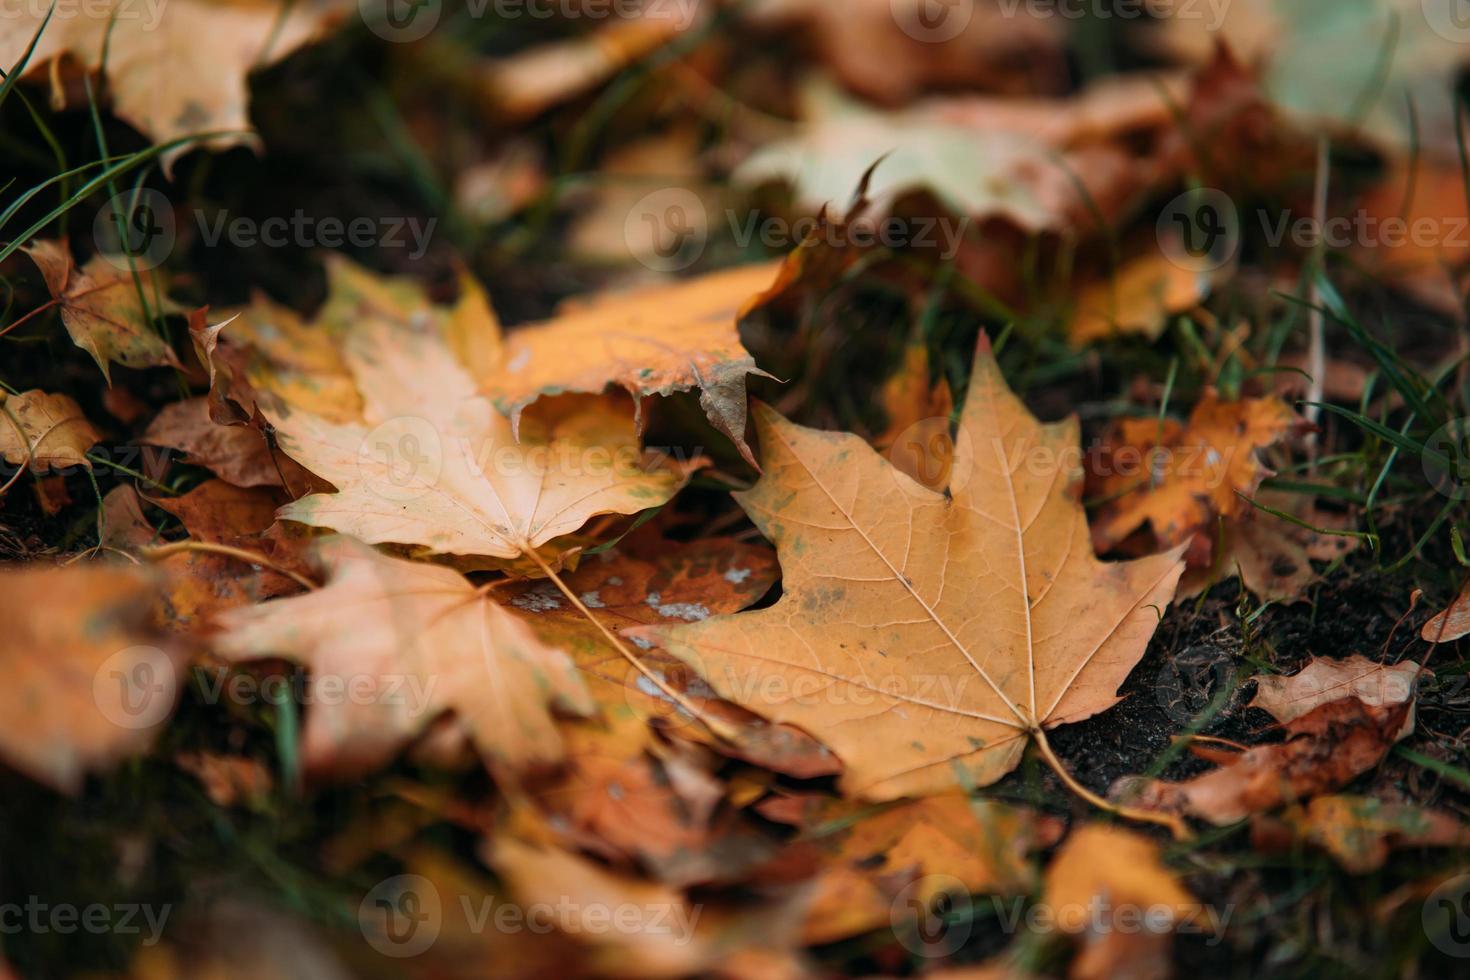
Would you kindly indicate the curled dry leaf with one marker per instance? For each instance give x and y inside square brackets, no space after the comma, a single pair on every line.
[1102,875]
[408,641]
[1178,479]
[928,638]
[650,341]
[175,70]
[238,454]
[1359,831]
[44,431]
[101,310]
[1322,680]
[88,681]
[1323,751]
[1450,624]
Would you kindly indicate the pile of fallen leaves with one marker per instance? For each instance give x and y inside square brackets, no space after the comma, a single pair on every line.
[746,611]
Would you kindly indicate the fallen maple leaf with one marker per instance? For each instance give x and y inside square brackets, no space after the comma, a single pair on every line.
[1110,889]
[179,71]
[927,638]
[101,310]
[409,640]
[1178,479]
[44,431]
[88,681]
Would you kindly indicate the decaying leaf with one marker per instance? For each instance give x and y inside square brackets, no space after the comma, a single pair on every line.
[1178,479]
[176,69]
[1109,888]
[1323,751]
[228,780]
[101,310]
[401,642]
[928,638]
[1288,698]
[238,454]
[44,431]
[1272,556]
[1359,831]
[88,681]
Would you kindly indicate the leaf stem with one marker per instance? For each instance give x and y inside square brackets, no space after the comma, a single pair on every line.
[1172,821]
[179,547]
[719,729]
